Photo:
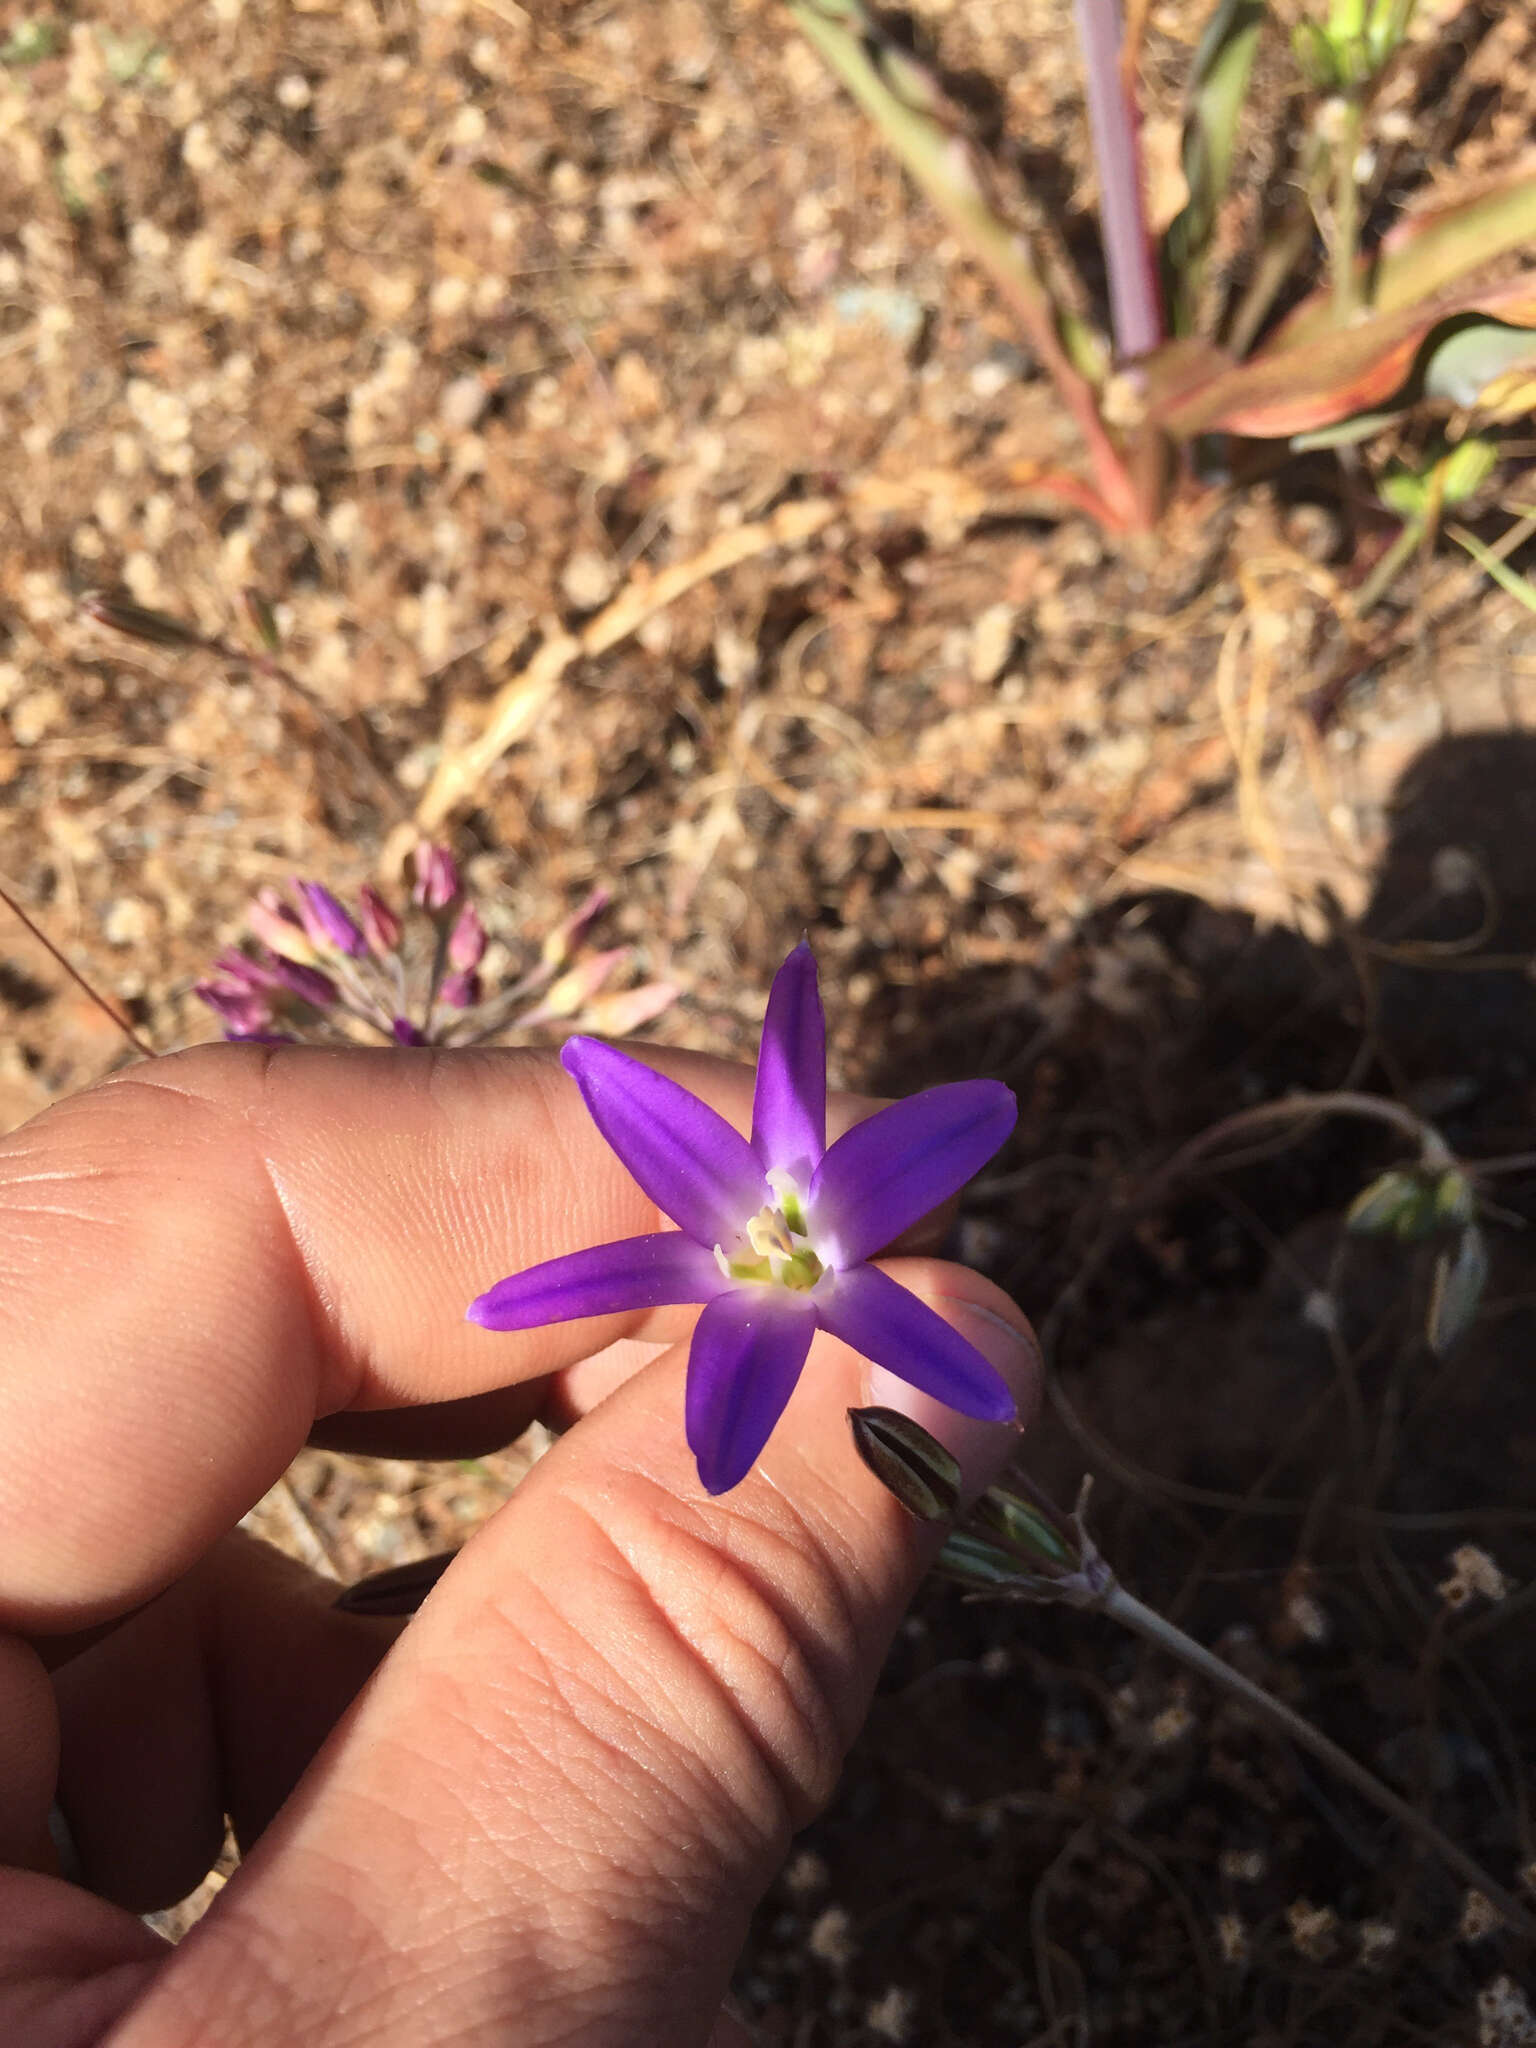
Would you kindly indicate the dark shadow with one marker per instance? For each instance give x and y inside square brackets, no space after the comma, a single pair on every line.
[1035,1786]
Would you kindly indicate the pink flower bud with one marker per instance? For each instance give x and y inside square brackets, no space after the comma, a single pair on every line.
[278,928]
[562,941]
[461,989]
[616,1016]
[381,927]
[237,967]
[466,944]
[563,998]
[437,877]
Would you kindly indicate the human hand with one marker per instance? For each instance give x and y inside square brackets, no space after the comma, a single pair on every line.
[546,1815]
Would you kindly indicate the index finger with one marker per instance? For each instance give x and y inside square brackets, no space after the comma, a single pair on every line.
[200,1257]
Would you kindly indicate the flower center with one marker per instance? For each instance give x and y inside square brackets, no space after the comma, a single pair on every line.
[782,1253]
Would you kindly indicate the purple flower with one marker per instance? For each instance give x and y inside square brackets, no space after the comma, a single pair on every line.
[326,924]
[242,1011]
[307,983]
[240,968]
[775,1235]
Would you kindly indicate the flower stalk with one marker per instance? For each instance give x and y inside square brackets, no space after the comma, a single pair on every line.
[161,629]
[1020,1546]
[1135,300]
[909,107]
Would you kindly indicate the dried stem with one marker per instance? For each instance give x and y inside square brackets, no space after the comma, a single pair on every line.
[1045,1555]
[1435,1154]
[162,629]
[383,786]
[76,976]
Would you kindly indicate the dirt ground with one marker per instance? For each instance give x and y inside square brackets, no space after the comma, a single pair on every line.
[446,326]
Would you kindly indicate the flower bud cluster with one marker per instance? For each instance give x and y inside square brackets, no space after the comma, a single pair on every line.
[319,973]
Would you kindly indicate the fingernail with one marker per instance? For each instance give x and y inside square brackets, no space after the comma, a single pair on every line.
[981,1449]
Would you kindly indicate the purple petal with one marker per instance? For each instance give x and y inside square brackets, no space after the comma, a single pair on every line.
[748,1348]
[789,1107]
[278,927]
[307,983]
[694,1167]
[886,1172]
[406,1033]
[889,1325]
[326,923]
[241,1009]
[637,1272]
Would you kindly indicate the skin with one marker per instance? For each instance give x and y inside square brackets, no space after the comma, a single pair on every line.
[542,1812]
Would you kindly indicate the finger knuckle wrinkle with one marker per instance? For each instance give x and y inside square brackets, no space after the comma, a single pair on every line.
[741,1630]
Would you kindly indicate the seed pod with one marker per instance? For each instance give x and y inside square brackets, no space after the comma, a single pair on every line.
[140,623]
[908,1462]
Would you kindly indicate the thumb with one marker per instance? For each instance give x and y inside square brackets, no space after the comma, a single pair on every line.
[549,1816]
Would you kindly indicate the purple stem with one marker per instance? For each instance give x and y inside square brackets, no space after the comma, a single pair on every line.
[1135,299]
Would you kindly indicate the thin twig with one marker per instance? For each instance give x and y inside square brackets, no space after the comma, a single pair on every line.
[384,787]
[77,977]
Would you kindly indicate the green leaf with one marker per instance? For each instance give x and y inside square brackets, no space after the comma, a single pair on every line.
[1395,1201]
[1506,578]
[1314,53]
[1360,426]
[1218,88]
[1460,1278]
[1404,493]
[1454,1201]
[1428,254]
[1470,358]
